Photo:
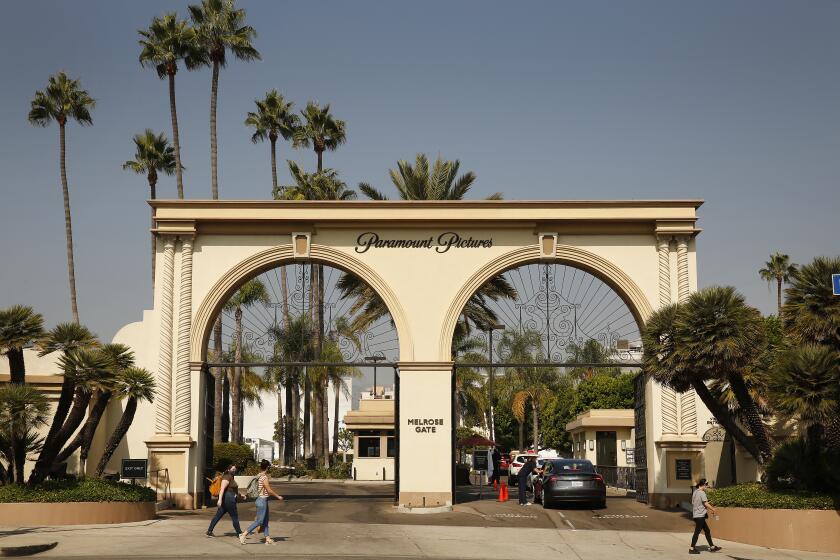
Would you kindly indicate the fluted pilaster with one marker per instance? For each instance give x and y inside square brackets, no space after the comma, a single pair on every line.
[163,396]
[688,400]
[682,268]
[663,245]
[182,372]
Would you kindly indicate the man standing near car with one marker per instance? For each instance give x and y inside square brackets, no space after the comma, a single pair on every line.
[496,457]
[522,483]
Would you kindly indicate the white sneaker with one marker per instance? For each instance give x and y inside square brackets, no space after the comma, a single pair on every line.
[269,540]
[243,537]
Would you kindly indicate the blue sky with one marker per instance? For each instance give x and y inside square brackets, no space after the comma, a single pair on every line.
[737,103]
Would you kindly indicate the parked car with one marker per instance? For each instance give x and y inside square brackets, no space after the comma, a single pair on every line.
[504,464]
[513,471]
[570,480]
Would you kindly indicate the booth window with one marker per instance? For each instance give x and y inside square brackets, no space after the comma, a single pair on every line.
[392,447]
[369,447]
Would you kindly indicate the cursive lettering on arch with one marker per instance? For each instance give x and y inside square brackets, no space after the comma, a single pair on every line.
[441,243]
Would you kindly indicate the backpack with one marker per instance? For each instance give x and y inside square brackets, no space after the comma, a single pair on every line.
[254,488]
[216,486]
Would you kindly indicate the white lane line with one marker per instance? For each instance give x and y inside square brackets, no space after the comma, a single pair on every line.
[569,523]
[561,514]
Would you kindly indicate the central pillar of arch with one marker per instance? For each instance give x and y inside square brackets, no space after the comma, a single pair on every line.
[425,428]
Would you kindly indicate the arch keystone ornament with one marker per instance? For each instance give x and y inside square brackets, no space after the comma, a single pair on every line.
[425,259]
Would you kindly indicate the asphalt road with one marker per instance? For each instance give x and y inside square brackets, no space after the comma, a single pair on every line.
[372,503]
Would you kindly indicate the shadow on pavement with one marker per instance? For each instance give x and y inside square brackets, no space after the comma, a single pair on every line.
[28,550]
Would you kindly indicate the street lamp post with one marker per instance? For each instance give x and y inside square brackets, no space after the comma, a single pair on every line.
[491,376]
[374,359]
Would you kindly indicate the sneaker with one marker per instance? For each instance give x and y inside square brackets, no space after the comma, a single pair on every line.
[528,504]
[269,540]
[693,551]
[714,548]
[243,538]
[209,535]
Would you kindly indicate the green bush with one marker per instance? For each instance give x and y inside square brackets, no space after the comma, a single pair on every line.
[755,495]
[798,466]
[84,490]
[340,471]
[227,454]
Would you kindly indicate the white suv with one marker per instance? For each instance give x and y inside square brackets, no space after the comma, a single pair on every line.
[516,463]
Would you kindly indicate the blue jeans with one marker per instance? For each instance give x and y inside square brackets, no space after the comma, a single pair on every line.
[228,506]
[262,516]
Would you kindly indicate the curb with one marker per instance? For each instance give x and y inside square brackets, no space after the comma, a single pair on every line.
[422,510]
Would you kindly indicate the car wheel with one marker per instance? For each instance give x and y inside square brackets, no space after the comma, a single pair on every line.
[602,504]
[545,503]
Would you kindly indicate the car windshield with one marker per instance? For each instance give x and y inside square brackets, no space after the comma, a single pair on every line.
[573,466]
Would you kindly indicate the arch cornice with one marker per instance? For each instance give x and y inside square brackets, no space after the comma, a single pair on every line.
[282,254]
[602,268]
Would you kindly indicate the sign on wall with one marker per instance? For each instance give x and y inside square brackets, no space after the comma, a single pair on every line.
[630,455]
[426,425]
[682,469]
[480,462]
[134,468]
[441,243]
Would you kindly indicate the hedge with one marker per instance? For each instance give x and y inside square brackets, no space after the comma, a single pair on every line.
[755,495]
[84,490]
[227,454]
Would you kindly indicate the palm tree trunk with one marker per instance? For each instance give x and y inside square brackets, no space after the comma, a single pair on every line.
[17,366]
[74,419]
[218,388]
[153,193]
[176,143]
[119,433]
[753,418]
[288,435]
[779,296]
[19,456]
[226,405]
[536,426]
[320,160]
[84,438]
[236,385]
[307,412]
[273,162]
[214,93]
[521,436]
[724,417]
[65,400]
[68,228]
[281,428]
[296,417]
[325,422]
[337,389]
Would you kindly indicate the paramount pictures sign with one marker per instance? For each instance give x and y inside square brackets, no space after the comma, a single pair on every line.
[441,243]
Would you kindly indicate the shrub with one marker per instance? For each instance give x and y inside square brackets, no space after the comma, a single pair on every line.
[227,454]
[755,495]
[84,490]
[797,466]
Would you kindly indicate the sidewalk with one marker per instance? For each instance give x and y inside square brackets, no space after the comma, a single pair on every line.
[183,537]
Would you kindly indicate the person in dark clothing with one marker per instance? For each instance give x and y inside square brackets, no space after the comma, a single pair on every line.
[522,483]
[700,508]
[228,495]
[497,460]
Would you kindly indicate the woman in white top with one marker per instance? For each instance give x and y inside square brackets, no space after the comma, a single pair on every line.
[265,491]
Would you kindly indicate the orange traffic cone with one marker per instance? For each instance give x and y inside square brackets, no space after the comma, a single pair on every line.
[503,492]
[495,484]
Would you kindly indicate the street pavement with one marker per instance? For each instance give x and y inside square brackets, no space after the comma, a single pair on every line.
[353,520]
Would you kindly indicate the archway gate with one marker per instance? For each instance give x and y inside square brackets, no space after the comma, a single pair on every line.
[424,259]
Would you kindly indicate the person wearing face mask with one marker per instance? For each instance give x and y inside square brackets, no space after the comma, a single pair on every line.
[228,495]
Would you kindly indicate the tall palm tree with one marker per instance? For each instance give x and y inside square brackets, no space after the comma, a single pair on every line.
[272,119]
[152,154]
[63,100]
[119,358]
[293,345]
[779,270]
[220,27]
[134,385]
[811,313]
[23,409]
[251,293]
[805,386]
[321,130]
[418,182]
[167,41]
[20,326]
[90,370]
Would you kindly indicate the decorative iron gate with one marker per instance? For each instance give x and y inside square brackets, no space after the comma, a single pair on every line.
[641,439]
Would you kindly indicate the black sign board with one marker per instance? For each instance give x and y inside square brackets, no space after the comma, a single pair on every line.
[480,461]
[134,468]
[683,469]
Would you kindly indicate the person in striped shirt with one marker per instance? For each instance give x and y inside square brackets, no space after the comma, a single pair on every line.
[265,491]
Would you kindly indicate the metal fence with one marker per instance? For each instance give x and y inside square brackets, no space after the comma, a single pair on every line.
[618,477]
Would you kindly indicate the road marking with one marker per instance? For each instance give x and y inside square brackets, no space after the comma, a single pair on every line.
[561,514]
[617,516]
[569,523]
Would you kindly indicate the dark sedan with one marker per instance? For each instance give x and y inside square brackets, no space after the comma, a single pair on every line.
[570,480]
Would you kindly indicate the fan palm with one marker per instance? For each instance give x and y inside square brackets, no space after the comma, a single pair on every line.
[321,130]
[251,293]
[272,119]
[811,313]
[119,358]
[90,370]
[152,154]
[134,385]
[779,270]
[805,386]
[20,326]
[220,27]
[418,182]
[61,101]
[23,410]
[167,41]
[591,352]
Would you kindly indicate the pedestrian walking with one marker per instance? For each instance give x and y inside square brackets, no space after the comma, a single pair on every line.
[522,481]
[228,494]
[496,458]
[700,508]
[264,490]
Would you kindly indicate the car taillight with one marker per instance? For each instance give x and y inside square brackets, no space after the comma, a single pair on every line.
[551,479]
[598,477]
